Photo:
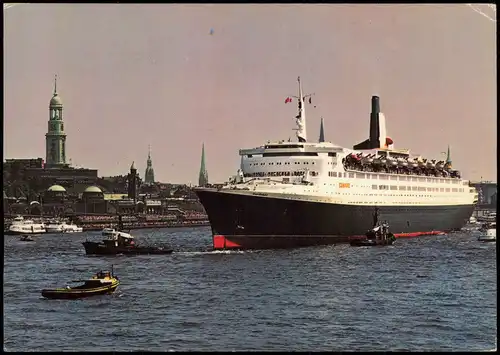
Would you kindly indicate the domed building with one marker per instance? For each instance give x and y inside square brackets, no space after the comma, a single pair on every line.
[55,194]
[93,200]
[93,192]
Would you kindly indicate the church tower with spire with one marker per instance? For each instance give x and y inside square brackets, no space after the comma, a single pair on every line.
[321,132]
[149,175]
[203,177]
[132,180]
[55,138]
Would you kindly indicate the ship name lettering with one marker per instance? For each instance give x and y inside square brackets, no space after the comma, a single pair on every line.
[344,185]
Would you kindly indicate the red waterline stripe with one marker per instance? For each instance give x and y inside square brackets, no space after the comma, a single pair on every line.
[417,234]
[221,242]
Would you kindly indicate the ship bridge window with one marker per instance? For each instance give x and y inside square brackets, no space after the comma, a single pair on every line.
[393,177]
[290,154]
[249,155]
[332,154]
[283,146]
[402,178]
[360,176]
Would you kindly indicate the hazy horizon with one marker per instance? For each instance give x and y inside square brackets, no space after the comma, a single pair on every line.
[133,75]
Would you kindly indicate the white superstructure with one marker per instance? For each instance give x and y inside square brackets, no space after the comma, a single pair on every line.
[61,226]
[25,226]
[325,172]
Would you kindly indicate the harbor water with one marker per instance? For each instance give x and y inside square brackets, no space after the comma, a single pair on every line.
[423,294]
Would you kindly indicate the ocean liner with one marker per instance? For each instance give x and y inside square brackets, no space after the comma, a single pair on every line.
[290,194]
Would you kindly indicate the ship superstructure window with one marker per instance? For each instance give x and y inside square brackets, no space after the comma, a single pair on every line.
[402,178]
[374,187]
[291,154]
[394,187]
[332,154]
[283,146]
[402,188]
[383,187]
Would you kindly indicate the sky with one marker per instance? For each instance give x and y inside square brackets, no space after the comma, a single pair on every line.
[177,76]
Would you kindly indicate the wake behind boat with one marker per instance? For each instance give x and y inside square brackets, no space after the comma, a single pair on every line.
[291,194]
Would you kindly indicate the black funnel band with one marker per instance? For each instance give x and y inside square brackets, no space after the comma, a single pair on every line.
[375,104]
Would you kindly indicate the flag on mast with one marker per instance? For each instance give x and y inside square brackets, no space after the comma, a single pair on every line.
[288,99]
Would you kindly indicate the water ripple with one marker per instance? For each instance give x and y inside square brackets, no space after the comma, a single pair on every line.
[433,293]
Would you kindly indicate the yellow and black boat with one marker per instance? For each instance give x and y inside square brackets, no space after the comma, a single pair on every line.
[104,282]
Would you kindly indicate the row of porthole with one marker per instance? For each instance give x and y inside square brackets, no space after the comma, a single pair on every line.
[280,163]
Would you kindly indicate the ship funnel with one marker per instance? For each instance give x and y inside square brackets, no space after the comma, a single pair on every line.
[378,134]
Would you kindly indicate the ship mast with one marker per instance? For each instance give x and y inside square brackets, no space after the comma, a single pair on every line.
[301,115]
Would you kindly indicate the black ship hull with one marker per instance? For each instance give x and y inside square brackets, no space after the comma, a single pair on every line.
[94,248]
[245,221]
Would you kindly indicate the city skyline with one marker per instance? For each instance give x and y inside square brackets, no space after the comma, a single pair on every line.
[178,76]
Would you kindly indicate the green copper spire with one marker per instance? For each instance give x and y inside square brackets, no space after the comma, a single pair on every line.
[321,132]
[203,177]
[55,138]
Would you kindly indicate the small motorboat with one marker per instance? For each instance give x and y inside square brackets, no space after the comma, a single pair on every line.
[488,233]
[104,282]
[377,236]
[27,238]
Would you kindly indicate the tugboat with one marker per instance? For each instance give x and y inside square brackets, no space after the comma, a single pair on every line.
[379,235]
[120,242]
[488,232]
[104,282]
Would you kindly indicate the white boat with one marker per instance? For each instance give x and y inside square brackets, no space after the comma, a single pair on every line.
[108,232]
[71,228]
[57,226]
[25,226]
[472,220]
[488,233]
